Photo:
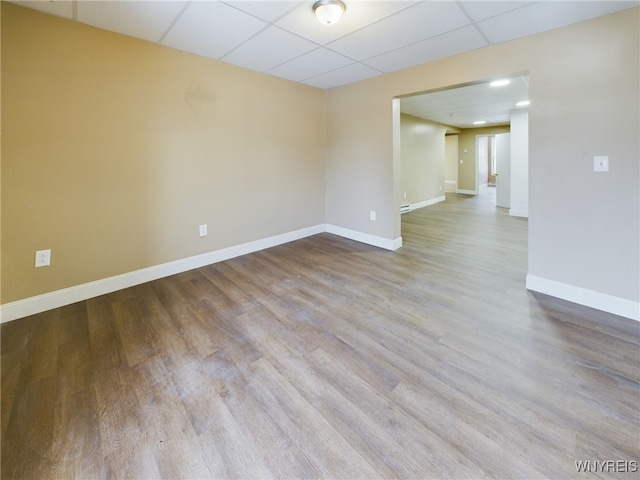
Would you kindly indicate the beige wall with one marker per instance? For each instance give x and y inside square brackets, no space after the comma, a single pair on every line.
[584,88]
[467,141]
[422,159]
[114,150]
[0,163]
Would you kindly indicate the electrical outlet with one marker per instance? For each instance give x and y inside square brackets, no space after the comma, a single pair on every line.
[203,230]
[43,258]
[372,215]
[601,164]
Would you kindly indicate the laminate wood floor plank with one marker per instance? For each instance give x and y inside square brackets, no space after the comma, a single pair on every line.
[325,448]
[327,358]
[76,437]
[14,340]
[279,453]
[28,440]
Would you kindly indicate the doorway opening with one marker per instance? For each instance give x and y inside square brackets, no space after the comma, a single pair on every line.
[449,142]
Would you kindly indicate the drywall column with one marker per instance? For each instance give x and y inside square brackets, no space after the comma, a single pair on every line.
[519,164]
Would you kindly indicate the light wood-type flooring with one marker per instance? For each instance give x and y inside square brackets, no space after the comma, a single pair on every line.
[327,358]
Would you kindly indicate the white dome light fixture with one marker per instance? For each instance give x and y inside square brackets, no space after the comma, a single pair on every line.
[329,11]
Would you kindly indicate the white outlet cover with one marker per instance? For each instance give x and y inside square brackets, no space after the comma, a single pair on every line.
[372,216]
[43,258]
[601,164]
[203,230]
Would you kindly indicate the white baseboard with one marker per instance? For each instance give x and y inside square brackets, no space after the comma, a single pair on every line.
[582,296]
[367,238]
[518,213]
[466,192]
[426,203]
[40,303]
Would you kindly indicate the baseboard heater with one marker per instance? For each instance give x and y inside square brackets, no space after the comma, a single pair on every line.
[405,208]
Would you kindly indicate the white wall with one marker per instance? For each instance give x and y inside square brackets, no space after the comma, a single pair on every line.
[519,164]
[482,160]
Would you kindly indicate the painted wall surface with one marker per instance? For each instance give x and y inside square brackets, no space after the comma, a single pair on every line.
[482,151]
[467,153]
[503,169]
[422,159]
[450,163]
[114,150]
[519,164]
[584,91]
[360,176]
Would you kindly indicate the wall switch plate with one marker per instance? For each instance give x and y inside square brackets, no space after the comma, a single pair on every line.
[601,164]
[203,230]
[43,258]
[461,162]
[372,215]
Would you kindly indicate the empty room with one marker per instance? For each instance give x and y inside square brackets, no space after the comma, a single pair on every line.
[320,239]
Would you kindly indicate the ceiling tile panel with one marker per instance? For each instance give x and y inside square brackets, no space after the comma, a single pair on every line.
[481,10]
[60,8]
[148,20]
[461,106]
[268,49]
[284,37]
[359,14]
[451,43]
[416,23]
[212,29]
[311,64]
[342,76]
[542,16]
[267,10]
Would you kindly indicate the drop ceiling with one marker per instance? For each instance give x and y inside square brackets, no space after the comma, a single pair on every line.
[462,106]
[284,39]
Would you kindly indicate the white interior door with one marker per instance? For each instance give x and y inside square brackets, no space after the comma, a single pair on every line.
[482,161]
[503,170]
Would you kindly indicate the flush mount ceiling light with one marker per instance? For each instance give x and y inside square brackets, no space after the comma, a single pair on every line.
[500,83]
[479,122]
[523,103]
[329,11]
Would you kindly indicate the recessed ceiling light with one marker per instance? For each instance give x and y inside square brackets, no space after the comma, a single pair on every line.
[500,83]
[523,103]
[479,122]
